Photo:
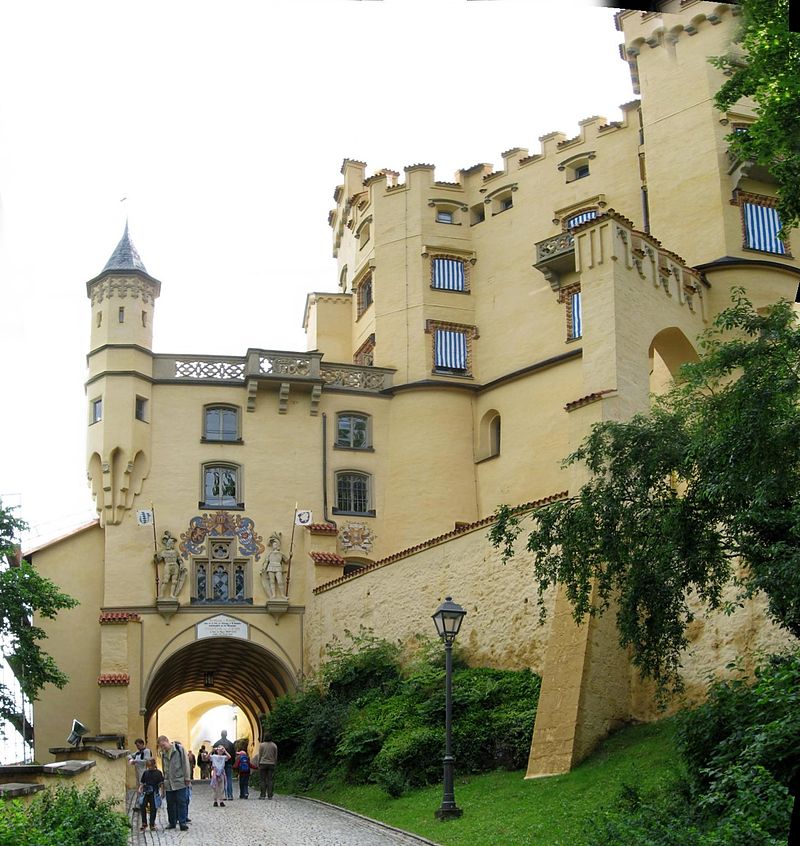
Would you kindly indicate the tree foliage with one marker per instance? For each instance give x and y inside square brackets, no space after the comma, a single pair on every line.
[701,492]
[23,592]
[769,73]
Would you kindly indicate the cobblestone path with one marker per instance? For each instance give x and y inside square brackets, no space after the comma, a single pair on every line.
[280,821]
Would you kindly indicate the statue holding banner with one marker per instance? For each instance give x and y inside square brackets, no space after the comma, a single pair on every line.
[174,572]
[272,572]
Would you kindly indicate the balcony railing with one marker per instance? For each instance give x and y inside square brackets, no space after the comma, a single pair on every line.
[274,366]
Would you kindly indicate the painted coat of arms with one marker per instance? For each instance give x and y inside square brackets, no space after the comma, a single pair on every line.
[357,536]
[221,524]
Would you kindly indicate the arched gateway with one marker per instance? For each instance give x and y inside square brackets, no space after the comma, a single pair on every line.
[228,657]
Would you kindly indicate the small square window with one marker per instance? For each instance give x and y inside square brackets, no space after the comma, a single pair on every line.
[581,171]
[121,314]
[448,274]
[352,431]
[477,214]
[141,409]
[221,486]
[506,203]
[761,227]
[221,423]
[97,410]
[443,216]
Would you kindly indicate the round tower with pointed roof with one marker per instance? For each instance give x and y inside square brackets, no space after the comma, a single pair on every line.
[119,385]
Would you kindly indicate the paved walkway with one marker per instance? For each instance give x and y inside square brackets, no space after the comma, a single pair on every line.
[280,821]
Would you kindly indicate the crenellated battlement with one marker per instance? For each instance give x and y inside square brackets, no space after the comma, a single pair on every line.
[677,20]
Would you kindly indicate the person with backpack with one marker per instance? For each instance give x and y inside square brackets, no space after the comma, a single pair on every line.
[151,787]
[243,766]
[176,782]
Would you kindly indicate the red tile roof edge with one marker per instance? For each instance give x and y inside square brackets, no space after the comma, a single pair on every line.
[322,529]
[327,558]
[588,399]
[427,544]
[119,617]
[113,679]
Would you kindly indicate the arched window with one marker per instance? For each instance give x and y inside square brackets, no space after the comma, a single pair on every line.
[221,486]
[353,493]
[494,436]
[352,430]
[489,435]
[221,423]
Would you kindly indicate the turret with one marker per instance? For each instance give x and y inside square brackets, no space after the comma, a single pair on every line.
[119,387]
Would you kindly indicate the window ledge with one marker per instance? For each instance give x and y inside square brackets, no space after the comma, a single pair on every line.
[205,440]
[451,375]
[449,290]
[572,340]
[246,601]
[354,449]
[487,458]
[216,507]
[786,254]
[370,513]
[445,223]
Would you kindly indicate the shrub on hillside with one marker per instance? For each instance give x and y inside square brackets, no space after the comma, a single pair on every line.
[740,749]
[66,816]
[373,716]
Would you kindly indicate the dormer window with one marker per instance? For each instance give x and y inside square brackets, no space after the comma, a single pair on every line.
[501,200]
[363,233]
[447,211]
[577,166]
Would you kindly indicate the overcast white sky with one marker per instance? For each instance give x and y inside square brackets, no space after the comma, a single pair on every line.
[225,125]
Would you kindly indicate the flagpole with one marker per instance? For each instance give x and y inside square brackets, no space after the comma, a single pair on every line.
[291,549]
[155,547]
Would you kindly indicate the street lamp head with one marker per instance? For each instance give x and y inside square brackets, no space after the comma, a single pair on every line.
[448,619]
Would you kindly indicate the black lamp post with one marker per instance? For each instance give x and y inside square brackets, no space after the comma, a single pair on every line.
[448,619]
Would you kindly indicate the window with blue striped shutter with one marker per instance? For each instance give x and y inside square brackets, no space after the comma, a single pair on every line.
[450,349]
[448,274]
[576,315]
[578,219]
[761,225]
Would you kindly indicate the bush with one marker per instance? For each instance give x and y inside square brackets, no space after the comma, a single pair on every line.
[740,748]
[65,816]
[370,717]
[412,756]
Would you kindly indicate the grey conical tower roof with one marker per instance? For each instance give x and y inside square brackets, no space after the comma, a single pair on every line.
[125,256]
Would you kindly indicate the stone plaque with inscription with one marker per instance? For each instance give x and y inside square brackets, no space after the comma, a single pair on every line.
[222,626]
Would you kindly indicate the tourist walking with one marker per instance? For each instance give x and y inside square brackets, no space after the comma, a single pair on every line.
[177,778]
[219,760]
[192,762]
[205,762]
[139,758]
[151,787]
[267,761]
[242,766]
[231,750]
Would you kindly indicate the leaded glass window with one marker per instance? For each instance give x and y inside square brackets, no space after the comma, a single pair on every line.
[352,492]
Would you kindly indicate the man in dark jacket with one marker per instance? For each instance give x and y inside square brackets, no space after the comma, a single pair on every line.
[231,750]
[177,778]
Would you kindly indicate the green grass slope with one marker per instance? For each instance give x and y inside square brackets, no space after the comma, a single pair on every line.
[503,809]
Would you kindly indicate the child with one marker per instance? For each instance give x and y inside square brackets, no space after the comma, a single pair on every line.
[243,766]
[151,790]
[219,757]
